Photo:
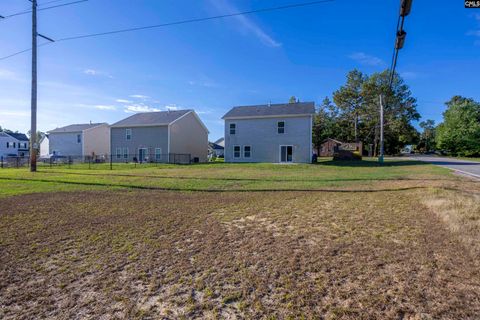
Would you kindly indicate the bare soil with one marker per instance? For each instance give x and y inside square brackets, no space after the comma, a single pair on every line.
[272,255]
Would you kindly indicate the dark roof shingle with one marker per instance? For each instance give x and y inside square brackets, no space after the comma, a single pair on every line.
[299,108]
[19,136]
[76,127]
[151,118]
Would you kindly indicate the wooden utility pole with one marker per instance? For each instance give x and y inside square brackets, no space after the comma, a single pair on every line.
[33,119]
[380,158]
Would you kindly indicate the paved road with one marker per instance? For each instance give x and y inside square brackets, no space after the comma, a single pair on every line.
[471,168]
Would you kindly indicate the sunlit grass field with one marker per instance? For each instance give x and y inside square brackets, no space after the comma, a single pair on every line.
[214,176]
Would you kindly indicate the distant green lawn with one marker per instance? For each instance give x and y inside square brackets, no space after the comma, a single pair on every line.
[214,176]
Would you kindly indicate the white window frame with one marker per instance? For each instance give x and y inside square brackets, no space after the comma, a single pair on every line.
[239,152]
[125,153]
[128,134]
[119,153]
[234,129]
[286,156]
[158,155]
[284,126]
[250,156]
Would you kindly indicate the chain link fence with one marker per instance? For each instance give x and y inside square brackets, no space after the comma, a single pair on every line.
[120,161]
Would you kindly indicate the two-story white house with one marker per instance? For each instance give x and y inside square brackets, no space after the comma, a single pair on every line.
[277,133]
[14,144]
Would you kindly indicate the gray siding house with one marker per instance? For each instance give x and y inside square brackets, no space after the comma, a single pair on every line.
[167,136]
[277,133]
[90,139]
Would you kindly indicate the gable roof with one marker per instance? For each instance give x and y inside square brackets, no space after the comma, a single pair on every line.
[76,127]
[215,146]
[282,109]
[334,140]
[19,136]
[158,118]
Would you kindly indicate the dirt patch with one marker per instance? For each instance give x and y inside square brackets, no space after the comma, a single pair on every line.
[148,254]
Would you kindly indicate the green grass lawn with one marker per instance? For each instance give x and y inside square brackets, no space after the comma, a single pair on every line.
[214,176]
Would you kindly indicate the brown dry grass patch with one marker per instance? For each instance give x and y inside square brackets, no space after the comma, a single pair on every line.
[285,255]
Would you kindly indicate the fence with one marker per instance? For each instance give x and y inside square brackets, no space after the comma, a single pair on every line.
[99,162]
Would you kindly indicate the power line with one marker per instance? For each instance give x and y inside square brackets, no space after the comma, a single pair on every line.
[41,9]
[277,8]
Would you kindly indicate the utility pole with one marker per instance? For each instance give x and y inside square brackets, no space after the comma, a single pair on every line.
[380,158]
[405,8]
[33,119]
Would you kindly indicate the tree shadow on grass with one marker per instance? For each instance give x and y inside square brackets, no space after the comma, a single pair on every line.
[141,187]
[371,164]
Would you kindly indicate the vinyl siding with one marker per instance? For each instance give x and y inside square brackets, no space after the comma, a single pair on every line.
[97,140]
[188,136]
[142,137]
[261,134]
[65,143]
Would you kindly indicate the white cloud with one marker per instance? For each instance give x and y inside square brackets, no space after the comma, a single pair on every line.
[7,75]
[247,26]
[93,72]
[171,107]
[139,96]
[366,59]
[15,113]
[139,108]
[104,107]
[123,101]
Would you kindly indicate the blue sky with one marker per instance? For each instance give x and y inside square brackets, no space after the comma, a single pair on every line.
[212,66]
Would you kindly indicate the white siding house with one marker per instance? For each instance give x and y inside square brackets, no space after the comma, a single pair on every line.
[14,144]
[269,133]
[91,139]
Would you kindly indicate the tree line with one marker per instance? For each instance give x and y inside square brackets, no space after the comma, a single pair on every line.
[353,116]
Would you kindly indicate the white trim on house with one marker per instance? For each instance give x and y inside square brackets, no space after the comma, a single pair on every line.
[284,126]
[243,151]
[239,151]
[311,141]
[196,116]
[159,154]
[230,128]
[168,141]
[286,156]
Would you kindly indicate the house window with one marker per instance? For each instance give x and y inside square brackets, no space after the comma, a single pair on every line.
[8,144]
[128,134]
[247,151]
[119,153]
[79,138]
[236,151]
[14,145]
[281,127]
[158,154]
[233,128]
[125,153]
